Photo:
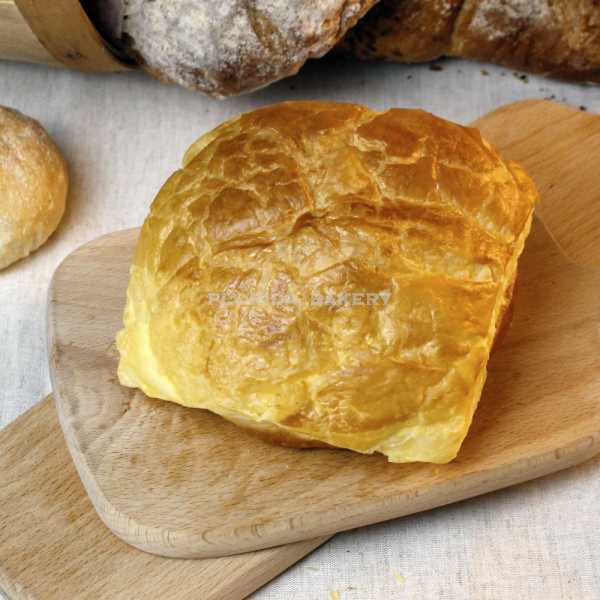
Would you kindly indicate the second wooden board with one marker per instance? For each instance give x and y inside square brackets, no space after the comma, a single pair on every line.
[54,547]
[185,483]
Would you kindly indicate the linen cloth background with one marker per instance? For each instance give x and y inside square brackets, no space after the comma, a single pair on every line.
[122,136]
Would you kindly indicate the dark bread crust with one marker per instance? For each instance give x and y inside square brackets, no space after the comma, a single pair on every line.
[554,38]
[403,31]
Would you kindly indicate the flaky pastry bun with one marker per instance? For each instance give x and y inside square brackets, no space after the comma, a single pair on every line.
[416,218]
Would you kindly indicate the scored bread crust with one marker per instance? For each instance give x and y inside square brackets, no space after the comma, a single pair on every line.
[227,48]
[329,198]
[33,185]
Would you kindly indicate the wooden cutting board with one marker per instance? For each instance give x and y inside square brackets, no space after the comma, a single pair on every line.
[185,483]
[560,148]
[53,545]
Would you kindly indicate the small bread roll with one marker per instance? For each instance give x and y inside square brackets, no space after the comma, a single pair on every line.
[388,245]
[33,185]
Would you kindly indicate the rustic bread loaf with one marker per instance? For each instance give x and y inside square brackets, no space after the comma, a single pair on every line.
[555,38]
[226,48]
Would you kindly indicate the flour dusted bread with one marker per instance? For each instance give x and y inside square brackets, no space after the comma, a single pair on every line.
[33,186]
[226,48]
[555,38]
[236,46]
[316,198]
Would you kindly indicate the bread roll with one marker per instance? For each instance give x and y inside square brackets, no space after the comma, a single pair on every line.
[33,186]
[226,48]
[555,38]
[417,216]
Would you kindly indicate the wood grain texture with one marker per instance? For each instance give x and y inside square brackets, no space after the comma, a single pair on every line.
[53,546]
[560,149]
[183,482]
[64,30]
[17,41]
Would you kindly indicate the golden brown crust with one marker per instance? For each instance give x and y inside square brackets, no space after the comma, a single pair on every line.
[555,38]
[507,310]
[326,198]
[33,186]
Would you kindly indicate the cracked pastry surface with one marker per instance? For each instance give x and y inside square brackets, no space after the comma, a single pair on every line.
[325,198]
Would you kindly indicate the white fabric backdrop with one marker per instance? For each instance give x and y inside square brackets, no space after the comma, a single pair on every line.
[122,136]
